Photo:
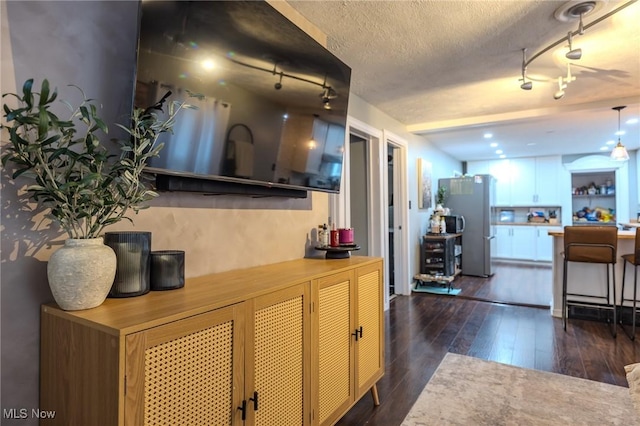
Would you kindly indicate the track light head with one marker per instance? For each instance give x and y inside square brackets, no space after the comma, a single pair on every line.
[526,85]
[278,85]
[574,54]
[560,93]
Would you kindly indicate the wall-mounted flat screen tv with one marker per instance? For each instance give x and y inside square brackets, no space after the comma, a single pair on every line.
[275,100]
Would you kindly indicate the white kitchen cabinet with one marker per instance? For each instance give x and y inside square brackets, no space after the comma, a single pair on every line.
[503,242]
[531,181]
[521,184]
[515,242]
[547,181]
[544,243]
[479,167]
[524,242]
[502,171]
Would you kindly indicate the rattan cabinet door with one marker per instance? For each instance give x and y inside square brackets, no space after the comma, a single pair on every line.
[369,315]
[279,378]
[333,355]
[188,372]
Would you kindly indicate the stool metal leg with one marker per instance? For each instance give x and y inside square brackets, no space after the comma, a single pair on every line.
[615,322]
[632,336]
[635,300]
[564,296]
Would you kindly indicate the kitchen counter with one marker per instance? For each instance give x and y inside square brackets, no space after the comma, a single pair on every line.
[589,278]
[526,224]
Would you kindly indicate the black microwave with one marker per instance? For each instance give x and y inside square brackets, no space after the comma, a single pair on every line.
[454,224]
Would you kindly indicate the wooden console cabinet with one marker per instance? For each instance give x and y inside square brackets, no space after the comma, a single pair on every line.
[293,343]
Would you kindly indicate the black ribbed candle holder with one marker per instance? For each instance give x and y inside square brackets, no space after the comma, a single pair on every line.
[133,250]
[167,269]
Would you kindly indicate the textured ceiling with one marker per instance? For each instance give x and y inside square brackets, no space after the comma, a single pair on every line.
[449,70]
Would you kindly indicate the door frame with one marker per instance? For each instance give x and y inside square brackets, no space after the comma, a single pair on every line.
[340,204]
[402,258]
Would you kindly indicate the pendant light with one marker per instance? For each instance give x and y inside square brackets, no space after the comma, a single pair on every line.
[619,153]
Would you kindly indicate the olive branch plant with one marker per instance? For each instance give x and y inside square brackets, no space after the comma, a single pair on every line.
[84,185]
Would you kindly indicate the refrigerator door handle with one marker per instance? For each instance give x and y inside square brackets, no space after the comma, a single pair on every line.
[490,238]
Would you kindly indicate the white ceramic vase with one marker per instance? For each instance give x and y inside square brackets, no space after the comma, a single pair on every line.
[81,273]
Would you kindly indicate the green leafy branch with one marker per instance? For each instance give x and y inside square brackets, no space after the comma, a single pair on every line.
[73,174]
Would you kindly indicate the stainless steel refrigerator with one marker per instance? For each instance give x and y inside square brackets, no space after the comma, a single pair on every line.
[473,197]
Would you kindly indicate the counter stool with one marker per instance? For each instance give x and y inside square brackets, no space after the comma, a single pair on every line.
[590,244]
[633,259]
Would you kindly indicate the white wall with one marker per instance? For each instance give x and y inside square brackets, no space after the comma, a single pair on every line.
[442,166]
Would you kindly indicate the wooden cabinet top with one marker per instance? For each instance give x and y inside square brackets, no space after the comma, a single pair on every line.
[438,237]
[201,294]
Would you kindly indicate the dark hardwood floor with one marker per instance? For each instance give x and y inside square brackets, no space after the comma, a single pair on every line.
[422,328]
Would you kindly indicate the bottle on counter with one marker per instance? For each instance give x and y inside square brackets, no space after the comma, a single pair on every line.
[435,226]
[325,236]
[443,226]
[320,236]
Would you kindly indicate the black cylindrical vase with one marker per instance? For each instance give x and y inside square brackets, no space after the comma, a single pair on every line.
[167,269]
[133,254]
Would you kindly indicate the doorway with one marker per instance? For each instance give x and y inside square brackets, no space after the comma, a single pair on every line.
[359,186]
[371,145]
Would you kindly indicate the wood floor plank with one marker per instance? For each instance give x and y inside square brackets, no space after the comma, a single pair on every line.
[421,328]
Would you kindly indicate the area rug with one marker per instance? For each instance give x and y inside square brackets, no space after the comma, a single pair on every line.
[471,391]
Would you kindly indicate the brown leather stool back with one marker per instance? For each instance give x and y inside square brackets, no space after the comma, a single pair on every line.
[592,244]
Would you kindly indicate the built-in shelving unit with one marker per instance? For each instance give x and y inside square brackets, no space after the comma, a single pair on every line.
[593,197]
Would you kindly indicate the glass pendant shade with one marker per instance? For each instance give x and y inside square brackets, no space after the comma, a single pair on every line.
[619,153]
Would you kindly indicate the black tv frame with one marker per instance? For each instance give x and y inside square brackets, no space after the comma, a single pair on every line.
[216,187]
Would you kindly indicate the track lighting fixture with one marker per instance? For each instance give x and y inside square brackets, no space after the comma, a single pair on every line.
[526,85]
[619,153]
[569,11]
[574,54]
[327,94]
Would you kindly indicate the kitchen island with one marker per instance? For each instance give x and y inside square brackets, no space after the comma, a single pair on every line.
[589,278]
